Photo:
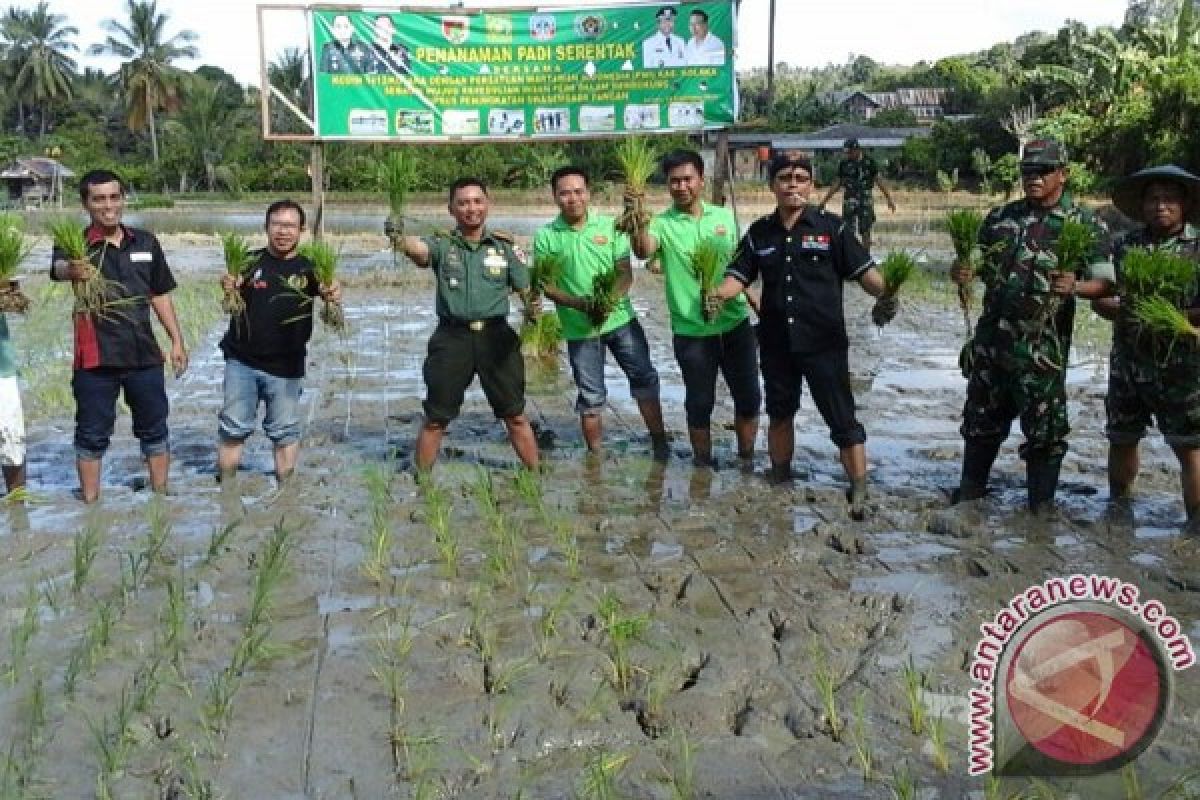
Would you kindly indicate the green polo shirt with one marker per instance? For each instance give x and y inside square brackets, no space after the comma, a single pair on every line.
[474,278]
[678,233]
[8,359]
[585,253]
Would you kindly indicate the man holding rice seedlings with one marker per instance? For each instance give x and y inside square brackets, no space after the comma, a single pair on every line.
[804,256]
[12,420]
[704,343]
[476,269]
[1015,364]
[123,274]
[1155,372]
[267,343]
[858,175]
[587,245]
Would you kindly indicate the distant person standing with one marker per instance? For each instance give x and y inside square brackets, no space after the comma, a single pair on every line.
[703,49]
[12,420]
[664,48]
[858,175]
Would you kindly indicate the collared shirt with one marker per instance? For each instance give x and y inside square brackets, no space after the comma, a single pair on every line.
[390,60]
[678,233]
[595,248]
[349,60]
[474,278]
[663,51]
[710,52]
[8,359]
[803,270]
[122,336]
[273,334]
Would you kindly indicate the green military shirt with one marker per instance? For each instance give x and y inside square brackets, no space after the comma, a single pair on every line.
[474,278]
[8,361]
[585,253]
[678,233]
[858,181]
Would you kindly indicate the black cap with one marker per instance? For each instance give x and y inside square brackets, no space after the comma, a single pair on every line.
[781,161]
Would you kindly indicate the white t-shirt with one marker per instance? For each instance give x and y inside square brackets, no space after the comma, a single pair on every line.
[707,53]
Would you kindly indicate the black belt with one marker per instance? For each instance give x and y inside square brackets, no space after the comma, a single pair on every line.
[472,324]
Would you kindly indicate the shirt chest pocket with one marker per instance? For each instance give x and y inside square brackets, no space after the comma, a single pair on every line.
[495,267]
[453,272]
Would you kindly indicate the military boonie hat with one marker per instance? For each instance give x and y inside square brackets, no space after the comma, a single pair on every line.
[851,143]
[1127,197]
[665,11]
[1044,152]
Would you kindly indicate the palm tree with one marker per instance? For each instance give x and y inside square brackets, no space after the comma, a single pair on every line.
[289,74]
[207,125]
[38,44]
[151,84]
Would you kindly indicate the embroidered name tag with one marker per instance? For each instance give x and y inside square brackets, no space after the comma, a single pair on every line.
[141,257]
[815,242]
[495,263]
[766,251]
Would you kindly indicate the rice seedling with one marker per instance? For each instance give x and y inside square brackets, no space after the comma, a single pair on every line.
[681,772]
[1074,245]
[1041,790]
[218,541]
[993,789]
[272,565]
[914,683]
[637,160]
[864,752]
[20,636]
[603,298]
[14,249]
[399,171]
[87,545]
[708,263]
[173,618]
[622,630]
[146,682]
[937,741]
[95,294]
[1147,272]
[567,544]
[324,260]
[378,564]
[217,709]
[445,538]
[1183,787]
[897,268]
[546,629]
[827,682]
[237,262]
[547,270]
[529,487]
[541,335]
[1131,783]
[159,519]
[599,780]
[35,714]
[75,663]
[964,225]
[99,633]
[903,785]
[1161,317]
[389,666]
[500,679]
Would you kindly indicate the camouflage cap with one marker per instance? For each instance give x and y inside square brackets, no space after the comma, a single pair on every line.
[1045,152]
[851,143]
[1127,196]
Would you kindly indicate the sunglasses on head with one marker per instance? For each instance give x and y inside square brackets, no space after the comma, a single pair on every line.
[1039,170]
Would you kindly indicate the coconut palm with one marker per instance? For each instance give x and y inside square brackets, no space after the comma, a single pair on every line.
[40,69]
[288,73]
[207,125]
[150,82]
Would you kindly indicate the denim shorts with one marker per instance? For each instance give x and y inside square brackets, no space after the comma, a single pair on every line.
[735,354]
[632,353]
[245,388]
[96,393]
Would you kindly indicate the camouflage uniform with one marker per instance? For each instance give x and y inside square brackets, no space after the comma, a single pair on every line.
[858,185]
[1016,363]
[1148,376]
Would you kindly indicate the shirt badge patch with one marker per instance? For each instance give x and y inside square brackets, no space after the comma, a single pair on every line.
[720,230]
[600,239]
[141,257]
[297,282]
[818,241]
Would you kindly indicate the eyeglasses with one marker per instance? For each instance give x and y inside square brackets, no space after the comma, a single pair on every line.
[1037,170]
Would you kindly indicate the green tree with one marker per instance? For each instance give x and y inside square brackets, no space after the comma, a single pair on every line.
[148,79]
[38,44]
[205,127]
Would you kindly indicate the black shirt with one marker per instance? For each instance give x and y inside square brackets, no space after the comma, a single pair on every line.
[802,273]
[273,334]
[121,336]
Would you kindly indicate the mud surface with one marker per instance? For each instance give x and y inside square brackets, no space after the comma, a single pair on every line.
[504,670]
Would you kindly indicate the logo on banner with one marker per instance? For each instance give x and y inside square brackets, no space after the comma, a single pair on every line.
[456,29]
[542,27]
[498,28]
[590,26]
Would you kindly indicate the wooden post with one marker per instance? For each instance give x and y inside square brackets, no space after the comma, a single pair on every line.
[771,59]
[316,169]
[721,168]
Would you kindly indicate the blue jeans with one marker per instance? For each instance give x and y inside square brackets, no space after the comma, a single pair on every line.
[245,388]
[96,393]
[629,347]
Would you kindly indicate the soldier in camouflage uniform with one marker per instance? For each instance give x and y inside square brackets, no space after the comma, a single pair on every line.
[1016,363]
[476,269]
[858,174]
[1149,377]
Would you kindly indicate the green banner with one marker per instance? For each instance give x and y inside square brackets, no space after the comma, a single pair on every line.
[465,74]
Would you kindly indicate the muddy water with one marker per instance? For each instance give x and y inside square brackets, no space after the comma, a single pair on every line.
[505,672]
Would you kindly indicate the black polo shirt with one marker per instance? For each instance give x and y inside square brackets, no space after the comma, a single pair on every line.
[802,272]
[273,334]
[122,337]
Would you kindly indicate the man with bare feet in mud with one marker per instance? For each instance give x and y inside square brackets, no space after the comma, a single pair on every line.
[804,256]
[476,269]
[115,348]
[266,345]
[703,344]
[1152,377]
[1016,363]
[586,244]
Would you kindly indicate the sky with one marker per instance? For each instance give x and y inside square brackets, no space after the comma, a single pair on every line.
[810,33]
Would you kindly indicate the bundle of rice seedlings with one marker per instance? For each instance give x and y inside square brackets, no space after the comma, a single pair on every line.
[964,225]
[540,336]
[14,248]
[95,293]
[237,261]
[399,171]
[1161,317]
[1074,245]
[324,260]
[1157,272]
[708,265]
[604,296]
[638,162]
[896,269]
[547,271]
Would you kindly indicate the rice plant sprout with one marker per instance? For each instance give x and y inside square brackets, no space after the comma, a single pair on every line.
[1146,272]
[708,265]
[93,294]
[542,333]
[637,160]
[964,225]
[897,269]
[237,261]
[604,296]
[14,249]
[1074,244]
[324,260]
[399,171]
